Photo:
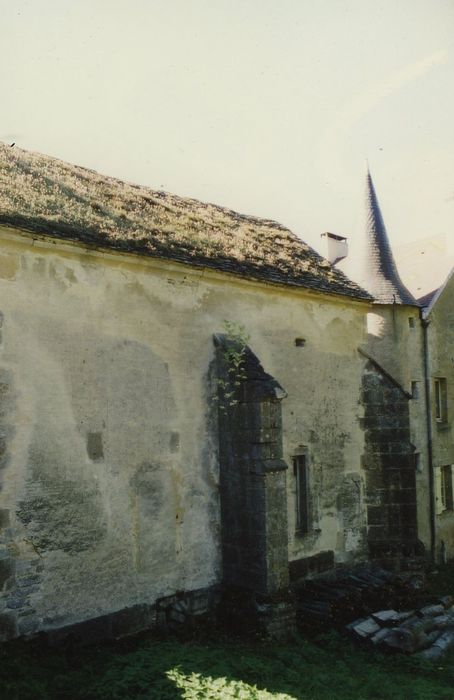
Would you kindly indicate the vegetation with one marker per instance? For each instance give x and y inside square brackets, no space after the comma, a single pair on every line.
[328,667]
[46,195]
[233,357]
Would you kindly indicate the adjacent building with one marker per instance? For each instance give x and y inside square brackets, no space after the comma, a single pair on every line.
[438,324]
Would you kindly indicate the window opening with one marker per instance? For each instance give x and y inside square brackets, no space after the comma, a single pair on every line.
[446,487]
[301,477]
[418,465]
[441,408]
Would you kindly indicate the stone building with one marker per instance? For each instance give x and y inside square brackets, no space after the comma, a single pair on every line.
[412,340]
[395,343]
[438,325]
[193,402]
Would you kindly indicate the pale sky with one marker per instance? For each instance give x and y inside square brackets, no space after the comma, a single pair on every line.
[270,108]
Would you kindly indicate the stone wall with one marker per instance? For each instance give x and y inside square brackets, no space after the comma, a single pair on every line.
[253,487]
[389,464]
[395,341]
[441,364]
[109,431]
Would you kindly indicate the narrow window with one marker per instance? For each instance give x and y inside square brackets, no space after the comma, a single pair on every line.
[411,321]
[441,407]
[418,466]
[446,487]
[301,478]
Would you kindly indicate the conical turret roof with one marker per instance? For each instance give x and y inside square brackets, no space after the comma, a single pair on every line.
[371,263]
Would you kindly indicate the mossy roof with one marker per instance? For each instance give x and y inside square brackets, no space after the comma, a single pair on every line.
[48,196]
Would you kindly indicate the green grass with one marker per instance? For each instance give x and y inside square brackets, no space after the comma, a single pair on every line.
[328,667]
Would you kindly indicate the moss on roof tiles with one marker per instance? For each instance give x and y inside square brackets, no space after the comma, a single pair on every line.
[49,196]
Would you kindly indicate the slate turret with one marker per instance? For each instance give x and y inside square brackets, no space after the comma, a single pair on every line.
[372,264]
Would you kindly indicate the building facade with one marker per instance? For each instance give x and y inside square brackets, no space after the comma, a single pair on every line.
[438,319]
[193,402]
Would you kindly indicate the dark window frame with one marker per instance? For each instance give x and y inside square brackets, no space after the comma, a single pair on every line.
[447,500]
[441,399]
[301,474]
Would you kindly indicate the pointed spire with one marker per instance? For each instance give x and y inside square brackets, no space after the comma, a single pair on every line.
[372,264]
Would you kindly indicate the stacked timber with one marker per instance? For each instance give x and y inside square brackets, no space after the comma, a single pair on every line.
[427,631]
[328,603]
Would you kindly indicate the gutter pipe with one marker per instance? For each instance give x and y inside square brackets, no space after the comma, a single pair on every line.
[425,324]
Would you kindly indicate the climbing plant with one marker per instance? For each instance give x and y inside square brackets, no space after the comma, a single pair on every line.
[233,356]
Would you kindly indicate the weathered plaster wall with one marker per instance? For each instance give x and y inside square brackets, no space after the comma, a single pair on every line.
[321,419]
[396,342]
[441,359]
[110,456]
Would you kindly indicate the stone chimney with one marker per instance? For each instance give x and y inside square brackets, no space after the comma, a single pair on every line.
[335,247]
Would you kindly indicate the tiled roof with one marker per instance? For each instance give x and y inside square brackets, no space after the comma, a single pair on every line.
[427,298]
[46,195]
[371,262]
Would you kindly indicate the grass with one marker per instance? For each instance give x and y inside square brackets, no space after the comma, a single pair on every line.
[328,667]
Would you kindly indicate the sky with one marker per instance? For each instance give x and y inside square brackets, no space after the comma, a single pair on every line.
[270,108]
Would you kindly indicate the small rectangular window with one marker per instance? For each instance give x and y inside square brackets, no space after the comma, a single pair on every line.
[411,321]
[418,466]
[446,487]
[302,492]
[441,400]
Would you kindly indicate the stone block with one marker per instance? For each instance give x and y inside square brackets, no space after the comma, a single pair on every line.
[404,496]
[8,626]
[393,516]
[408,514]
[376,533]
[374,480]
[17,602]
[28,581]
[7,570]
[132,620]
[268,464]
[392,479]
[4,518]
[385,421]
[371,462]
[388,434]
[316,564]
[383,497]
[409,532]
[365,628]
[28,624]
[408,478]
[80,633]
[402,460]
[376,515]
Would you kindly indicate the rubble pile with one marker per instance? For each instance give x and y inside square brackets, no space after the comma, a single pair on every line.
[427,631]
[324,603]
